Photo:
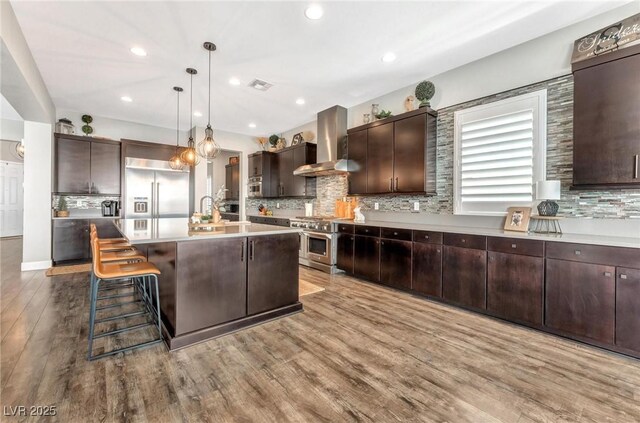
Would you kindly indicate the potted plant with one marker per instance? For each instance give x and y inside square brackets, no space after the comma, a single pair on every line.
[273,141]
[62,207]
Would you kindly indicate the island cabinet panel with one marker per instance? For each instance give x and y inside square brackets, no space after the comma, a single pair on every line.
[628,309]
[272,265]
[357,154]
[366,257]
[395,263]
[344,259]
[427,269]
[380,159]
[163,256]
[464,279]
[211,283]
[515,287]
[580,299]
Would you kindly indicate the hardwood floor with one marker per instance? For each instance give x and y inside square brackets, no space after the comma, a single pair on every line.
[359,352]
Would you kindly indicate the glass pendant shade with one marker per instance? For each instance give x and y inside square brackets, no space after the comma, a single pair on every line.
[175,162]
[208,148]
[20,149]
[189,156]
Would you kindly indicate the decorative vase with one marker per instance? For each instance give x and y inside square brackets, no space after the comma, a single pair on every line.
[366,118]
[215,216]
[374,110]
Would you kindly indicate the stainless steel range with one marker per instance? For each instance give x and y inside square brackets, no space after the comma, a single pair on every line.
[317,242]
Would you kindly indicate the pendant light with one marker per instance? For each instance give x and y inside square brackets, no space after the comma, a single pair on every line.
[20,149]
[208,148]
[175,162]
[189,156]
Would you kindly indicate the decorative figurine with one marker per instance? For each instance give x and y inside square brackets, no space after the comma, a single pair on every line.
[408,103]
[358,216]
[424,92]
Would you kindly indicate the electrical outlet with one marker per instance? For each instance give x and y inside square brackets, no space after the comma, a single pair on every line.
[416,206]
[376,206]
[277,205]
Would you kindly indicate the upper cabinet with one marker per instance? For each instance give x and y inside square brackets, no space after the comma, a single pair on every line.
[606,122]
[394,155]
[86,166]
[289,159]
[232,181]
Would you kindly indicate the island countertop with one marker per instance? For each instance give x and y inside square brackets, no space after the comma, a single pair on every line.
[145,231]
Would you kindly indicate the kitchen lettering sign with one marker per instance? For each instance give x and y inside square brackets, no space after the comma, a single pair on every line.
[613,37]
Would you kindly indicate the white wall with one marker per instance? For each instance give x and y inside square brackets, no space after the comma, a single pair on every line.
[8,151]
[307,127]
[12,130]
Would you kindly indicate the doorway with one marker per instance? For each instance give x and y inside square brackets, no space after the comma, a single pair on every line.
[225,170]
[11,198]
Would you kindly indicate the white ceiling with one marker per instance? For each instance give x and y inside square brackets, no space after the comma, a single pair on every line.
[82,50]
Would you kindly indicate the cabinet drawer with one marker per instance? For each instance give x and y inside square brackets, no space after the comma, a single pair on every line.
[527,247]
[614,256]
[345,229]
[367,230]
[401,234]
[427,237]
[478,242]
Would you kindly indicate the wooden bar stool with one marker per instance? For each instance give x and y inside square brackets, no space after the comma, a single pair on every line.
[107,273]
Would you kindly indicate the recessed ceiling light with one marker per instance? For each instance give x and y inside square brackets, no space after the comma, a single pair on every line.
[389,57]
[252,125]
[197,114]
[126,99]
[314,12]
[300,101]
[234,81]
[138,51]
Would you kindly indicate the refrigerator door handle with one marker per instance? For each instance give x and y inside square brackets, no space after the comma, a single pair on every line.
[157,199]
[153,201]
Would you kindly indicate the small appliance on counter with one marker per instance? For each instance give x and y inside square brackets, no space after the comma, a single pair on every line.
[110,208]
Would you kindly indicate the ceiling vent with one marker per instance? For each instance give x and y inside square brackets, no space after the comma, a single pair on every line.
[260,85]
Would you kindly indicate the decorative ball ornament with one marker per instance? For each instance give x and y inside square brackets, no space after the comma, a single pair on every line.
[86,128]
[424,92]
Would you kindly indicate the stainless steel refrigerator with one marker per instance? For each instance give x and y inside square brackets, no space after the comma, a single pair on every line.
[153,189]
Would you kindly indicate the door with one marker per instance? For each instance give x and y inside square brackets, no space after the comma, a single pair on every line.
[366,258]
[70,240]
[272,265]
[105,168]
[172,194]
[606,124]
[427,269]
[11,198]
[514,287]
[344,259]
[209,294]
[357,153]
[580,299]
[72,166]
[628,309]
[140,187]
[395,263]
[409,142]
[380,159]
[285,172]
[464,276]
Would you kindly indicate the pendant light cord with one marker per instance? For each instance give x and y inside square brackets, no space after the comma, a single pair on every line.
[209,124]
[178,123]
[191,109]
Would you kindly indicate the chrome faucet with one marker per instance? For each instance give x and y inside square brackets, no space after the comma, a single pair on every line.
[202,202]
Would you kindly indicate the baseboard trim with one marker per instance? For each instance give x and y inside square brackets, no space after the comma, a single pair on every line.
[35,265]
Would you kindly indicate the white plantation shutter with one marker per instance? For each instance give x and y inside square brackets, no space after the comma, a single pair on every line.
[499,154]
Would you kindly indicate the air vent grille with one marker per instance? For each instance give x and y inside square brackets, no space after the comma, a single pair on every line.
[260,85]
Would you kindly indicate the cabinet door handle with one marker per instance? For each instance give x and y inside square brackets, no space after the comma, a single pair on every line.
[463,240]
[242,252]
[607,274]
[635,166]
[514,246]
[382,243]
[395,234]
[623,276]
[396,183]
[390,184]
[251,250]
[578,252]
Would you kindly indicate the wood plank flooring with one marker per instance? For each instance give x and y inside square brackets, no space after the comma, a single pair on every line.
[359,352]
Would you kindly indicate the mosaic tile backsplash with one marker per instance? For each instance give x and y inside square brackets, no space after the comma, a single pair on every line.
[574,203]
[83,202]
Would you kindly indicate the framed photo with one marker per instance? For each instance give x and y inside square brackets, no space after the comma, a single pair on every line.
[517,219]
[297,139]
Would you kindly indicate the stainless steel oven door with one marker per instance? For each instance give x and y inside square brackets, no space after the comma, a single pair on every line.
[255,187]
[320,247]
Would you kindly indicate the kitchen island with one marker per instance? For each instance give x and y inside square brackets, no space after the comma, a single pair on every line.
[220,281]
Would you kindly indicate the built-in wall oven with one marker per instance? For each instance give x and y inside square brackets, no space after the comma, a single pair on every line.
[255,187]
[317,243]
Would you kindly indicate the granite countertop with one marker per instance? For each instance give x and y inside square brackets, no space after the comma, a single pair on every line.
[144,231]
[614,241]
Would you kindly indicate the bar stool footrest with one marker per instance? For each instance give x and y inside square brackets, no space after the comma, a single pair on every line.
[122,350]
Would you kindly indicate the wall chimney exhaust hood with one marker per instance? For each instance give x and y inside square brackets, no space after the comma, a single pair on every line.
[332,136]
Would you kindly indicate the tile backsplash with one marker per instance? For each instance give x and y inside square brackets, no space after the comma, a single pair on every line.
[574,203]
[84,203]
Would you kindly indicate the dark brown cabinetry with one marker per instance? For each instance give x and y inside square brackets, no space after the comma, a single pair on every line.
[86,166]
[427,269]
[395,263]
[628,309]
[71,240]
[289,160]
[580,299]
[232,181]
[344,255]
[263,167]
[606,123]
[396,155]
[269,272]
[366,257]
[464,275]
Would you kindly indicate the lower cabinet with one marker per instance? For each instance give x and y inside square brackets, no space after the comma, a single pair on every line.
[272,263]
[71,240]
[395,263]
[344,259]
[427,269]
[628,309]
[580,299]
[514,287]
[366,257]
[464,279]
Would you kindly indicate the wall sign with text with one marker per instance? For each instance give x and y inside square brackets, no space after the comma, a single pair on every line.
[623,33]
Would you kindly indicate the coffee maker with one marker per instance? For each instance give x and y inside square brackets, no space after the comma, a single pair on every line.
[111,208]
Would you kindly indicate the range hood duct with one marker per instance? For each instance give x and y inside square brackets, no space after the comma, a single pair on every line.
[332,149]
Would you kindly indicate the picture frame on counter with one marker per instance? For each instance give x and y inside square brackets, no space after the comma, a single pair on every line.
[517,219]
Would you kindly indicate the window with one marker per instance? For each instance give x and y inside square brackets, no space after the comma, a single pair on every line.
[499,153]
